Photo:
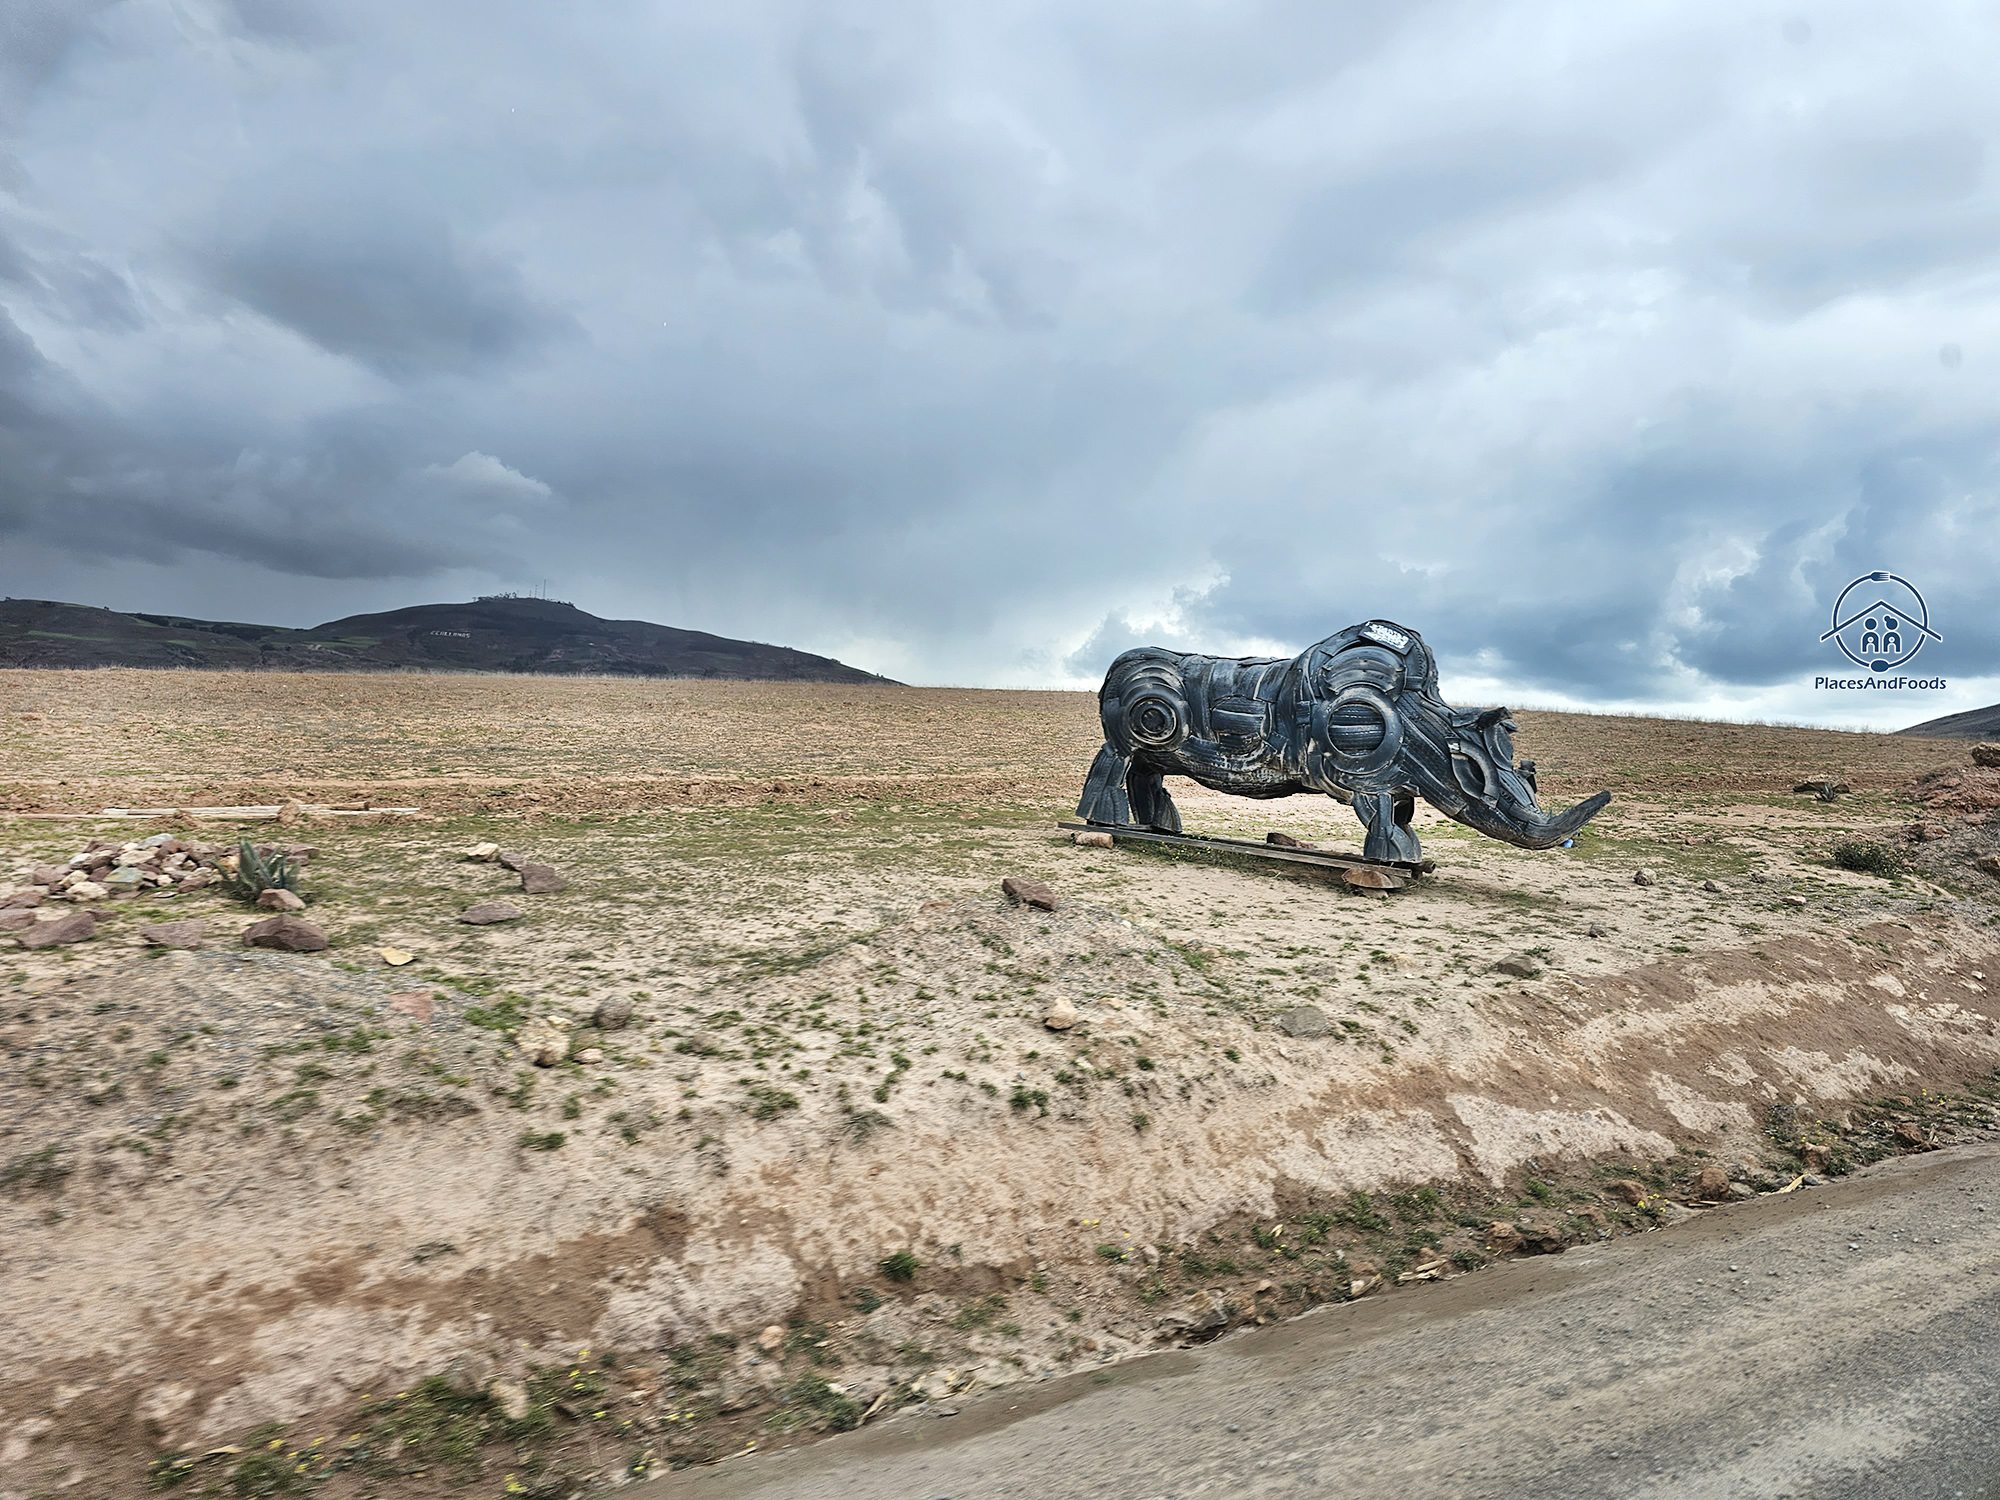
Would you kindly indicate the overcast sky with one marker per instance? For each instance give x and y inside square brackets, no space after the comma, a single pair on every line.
[971,343]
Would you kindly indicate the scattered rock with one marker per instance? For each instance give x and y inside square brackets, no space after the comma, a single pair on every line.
[197,880]
[1371,881]
[1911,1137]
[1816,1157]
[1597,930]
[277,898]
[543,1041]
[613,1013]
[1632,1192]
[510,861]
[591,1056]
[1061,1014]
[1795,900]
[74,928]
[541,880]
[1986,755]
[1094,840]
[1711,887]
[1361,1286]
[20,900]
[1712,1183]
[416,1004]
[771,1338]
[1285,841]
[1741,1191]
[1150,1253]
[1990,863]
[47,874]
[1926,833]
[87,890]
[511,1397]
[1644,877]
[15,918]
[486,913]
[1304,1021]
[1669,1212]
[1027,892]
[289,933]
[1538,1240]
[482,851]
[395,958]
[1503,1239]
[1520,965]
[186,934]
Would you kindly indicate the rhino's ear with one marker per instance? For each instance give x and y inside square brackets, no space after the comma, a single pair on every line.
[1491,717]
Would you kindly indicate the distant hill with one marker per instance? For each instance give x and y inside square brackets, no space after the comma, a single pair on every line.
[488,635]
[1973,724]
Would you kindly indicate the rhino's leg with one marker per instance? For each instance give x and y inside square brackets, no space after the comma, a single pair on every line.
[1151,806]
[1387,819]
[1104,799]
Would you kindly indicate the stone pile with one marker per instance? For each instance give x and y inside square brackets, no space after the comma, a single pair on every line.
[105,870]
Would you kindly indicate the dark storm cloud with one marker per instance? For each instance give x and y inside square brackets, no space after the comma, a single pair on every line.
[979,343]
[388,283]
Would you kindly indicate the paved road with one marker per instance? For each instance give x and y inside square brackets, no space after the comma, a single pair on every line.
[1840,1343]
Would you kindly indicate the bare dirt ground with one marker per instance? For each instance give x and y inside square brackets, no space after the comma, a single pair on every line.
[313,1222]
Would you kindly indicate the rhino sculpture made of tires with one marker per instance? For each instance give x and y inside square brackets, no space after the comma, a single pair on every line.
[1357,717]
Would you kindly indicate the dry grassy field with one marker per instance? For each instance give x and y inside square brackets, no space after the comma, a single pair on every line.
[837,1166]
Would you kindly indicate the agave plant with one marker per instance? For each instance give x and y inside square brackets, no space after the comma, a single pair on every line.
[254,874]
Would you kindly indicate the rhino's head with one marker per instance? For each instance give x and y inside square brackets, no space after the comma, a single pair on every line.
[1497,792]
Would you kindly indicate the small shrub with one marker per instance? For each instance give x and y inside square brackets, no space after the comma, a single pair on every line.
[767,1102]
[900,1266]
[551,1140]
[1867,858]
[1025,1098]
[254,874]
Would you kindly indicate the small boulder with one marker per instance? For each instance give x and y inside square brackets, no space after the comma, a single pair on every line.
[1644,877]
[508,861]
[1742,1191]
[543,1041]
[288,933]
[486,913]
[771,1338]
[1815,1156]
[1520,965]
[1795,900]
[15,918]
[74,928]
[1503,1239]
[1989,863]
[1061,1014]
[1986,755]
[290,813]
[20,900]
[1284,841]
[1304,1021]
[614,1013]
[1712,1183]
[48,874]
[87,890]
[591,1056]
[277,898]
[1093,840]
[1539,1240]
[1025,892]
[541,880]
[187,934]
[395,958]
[416,1004]
[1669,1212]
[1632,1192]
[1711,887]
[1597,930]
[511,1397]
[482,851]
[1911,1136]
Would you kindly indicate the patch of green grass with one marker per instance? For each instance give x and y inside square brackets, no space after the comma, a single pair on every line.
[900,1265]
[1865,857]
[548,1140]
[767,1101]
[38,1171]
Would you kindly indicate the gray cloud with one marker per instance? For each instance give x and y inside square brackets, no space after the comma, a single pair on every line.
[1601,346]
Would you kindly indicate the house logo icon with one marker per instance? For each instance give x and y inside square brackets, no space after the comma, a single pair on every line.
[1884,632]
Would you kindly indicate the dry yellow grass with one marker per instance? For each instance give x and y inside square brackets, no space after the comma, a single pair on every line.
[82,740]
